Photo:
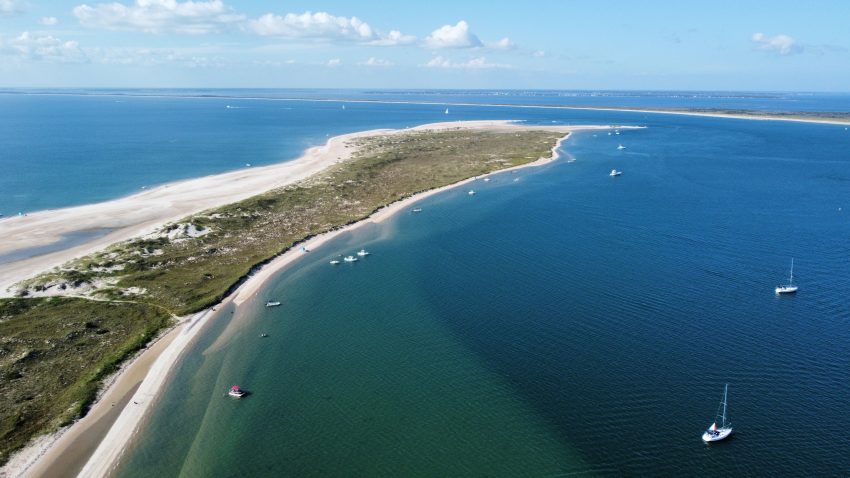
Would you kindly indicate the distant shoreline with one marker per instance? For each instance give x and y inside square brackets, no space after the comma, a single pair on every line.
[817,117]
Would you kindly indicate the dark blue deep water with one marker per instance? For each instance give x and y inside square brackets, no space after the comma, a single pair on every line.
[558,322]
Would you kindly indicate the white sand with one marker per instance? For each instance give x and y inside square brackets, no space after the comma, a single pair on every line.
[126,425]
[142,213]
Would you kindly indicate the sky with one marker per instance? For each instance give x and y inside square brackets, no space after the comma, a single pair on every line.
[567,44]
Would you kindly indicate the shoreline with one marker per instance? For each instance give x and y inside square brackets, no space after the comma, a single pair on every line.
[48,450]
[106,458]
[71,445]
[756,115]
[142,213]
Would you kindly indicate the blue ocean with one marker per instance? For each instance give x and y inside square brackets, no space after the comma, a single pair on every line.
[559,322]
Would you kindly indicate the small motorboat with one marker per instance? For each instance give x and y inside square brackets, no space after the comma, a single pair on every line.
[471,192]
[621,147]
[272,303]
[236,392]
[362,253]
[264,335]
[615,173]
[486,180]
[416,209]
[350,259]
[334,262]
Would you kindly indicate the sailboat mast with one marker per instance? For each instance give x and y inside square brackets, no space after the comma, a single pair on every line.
[725,389]
[792,271]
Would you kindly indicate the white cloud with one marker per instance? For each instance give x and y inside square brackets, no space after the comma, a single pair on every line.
[781,44]
[28,46]
[457,36]
[479,63]
[372,61]
[49,21]
[313,25]
[327,27]
[438,62]
[503,44]
[157,16]
[394,38]
[539,54]
[333,62]
[10,7]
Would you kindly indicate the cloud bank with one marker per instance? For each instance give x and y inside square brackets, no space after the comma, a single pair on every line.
[159,16]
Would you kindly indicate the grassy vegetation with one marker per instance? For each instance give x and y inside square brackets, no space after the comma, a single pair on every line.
[54,351]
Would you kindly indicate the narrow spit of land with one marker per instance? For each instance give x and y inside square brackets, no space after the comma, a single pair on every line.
[68,328]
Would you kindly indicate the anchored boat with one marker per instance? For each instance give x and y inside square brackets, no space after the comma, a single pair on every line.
[715,433]
[788,288]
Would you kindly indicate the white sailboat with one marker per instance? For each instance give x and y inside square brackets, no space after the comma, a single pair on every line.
[621,147]
[615,173]
[788,288]
[715,433]
[447,111]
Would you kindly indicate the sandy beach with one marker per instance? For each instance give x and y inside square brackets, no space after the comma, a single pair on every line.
[140,214]
[113,421]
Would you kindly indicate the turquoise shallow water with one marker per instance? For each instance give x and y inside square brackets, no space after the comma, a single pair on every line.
[558,322]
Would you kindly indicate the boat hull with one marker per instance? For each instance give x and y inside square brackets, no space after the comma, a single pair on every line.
[787,289]
[721,434]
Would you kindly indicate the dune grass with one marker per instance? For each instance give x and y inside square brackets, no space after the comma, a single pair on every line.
[54,353]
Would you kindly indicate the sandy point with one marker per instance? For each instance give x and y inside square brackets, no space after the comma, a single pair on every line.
[136,388]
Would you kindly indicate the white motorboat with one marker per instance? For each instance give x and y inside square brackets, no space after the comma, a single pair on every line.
[334,262]
[236,392]
[715,433]
[621,147]
[362,253]
[349,259]
[471,192]
[272,303]
[614,173]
